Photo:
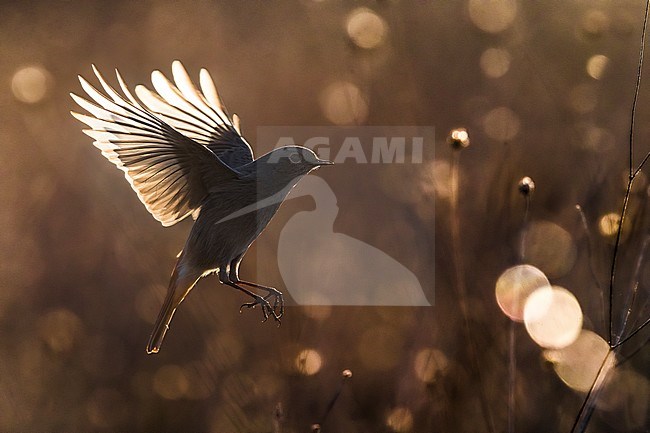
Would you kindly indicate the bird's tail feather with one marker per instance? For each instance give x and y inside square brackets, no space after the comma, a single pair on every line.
[179,287]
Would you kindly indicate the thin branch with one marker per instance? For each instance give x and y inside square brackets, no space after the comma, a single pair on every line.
[588,405]
[512,373]
[617,244]
[628,311]
[524,234]
[645,159]
[512,336]
[316,427]
[630,300]
[633,354]
[632,173]
[636,95]
[632,334]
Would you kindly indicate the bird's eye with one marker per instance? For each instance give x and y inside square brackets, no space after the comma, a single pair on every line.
[294,158]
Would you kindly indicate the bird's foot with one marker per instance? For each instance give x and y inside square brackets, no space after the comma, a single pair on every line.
[267,309]
[278,302]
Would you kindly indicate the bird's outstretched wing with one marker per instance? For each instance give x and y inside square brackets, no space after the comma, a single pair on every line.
[201,116]
[171,172]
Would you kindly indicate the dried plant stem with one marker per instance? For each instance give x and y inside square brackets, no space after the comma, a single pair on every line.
[632,175]
[632,334]
[330,404]
[589,404]
[609,362]
[512,377]
[612,274]
[512,336]
[460,286]
[631,297]
[524,231]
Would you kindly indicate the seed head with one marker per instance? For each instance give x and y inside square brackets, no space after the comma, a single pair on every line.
[526,186]
[458,138]
[347,374]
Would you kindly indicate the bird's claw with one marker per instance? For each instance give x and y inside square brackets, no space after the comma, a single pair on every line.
[278,303]
[267,309]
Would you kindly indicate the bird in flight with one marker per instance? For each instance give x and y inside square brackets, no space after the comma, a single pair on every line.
[183,154]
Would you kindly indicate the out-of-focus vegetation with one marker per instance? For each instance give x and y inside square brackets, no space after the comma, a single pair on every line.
[545,90]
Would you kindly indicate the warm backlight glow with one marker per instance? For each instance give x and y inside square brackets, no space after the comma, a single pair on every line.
[553,318]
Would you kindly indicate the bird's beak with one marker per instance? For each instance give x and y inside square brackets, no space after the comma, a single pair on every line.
[324,162]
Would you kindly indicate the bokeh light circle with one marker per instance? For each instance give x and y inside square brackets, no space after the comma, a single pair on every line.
[492,16]
[365,28]
[343,103]
[60,329]
[577,364]
[608,224]
[501,124]
[495,62]
[171,382]
[595,138]
[515,285]
[553,318]
[550,248]
[30,84]
[308,362]
[595,22]
[583,98]
[429,364]
[596,66]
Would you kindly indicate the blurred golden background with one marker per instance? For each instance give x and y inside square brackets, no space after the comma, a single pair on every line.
[545,90]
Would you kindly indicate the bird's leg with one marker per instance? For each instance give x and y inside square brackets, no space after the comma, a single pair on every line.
[267,310]
[278,299]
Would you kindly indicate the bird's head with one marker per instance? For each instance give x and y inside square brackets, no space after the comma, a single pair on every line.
[292,161]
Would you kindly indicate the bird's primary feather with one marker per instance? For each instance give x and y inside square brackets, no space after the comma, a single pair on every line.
[173,146]
[201,116]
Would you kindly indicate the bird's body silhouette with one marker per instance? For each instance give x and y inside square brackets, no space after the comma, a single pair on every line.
[184,155]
